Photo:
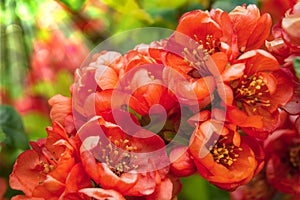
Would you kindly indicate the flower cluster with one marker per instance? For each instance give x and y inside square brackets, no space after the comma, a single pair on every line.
[208,99]
[281,170]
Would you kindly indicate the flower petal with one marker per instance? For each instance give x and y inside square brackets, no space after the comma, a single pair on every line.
[102,194]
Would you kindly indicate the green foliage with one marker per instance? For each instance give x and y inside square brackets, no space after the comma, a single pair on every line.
[197,188]
[47,88]
[74,5]
[35,124]
[127,14]
[2,138]
[13,141]
[166,13]
[162,4]
[11,125]
[2,135]
[228,5]
[296,63]
[13,55]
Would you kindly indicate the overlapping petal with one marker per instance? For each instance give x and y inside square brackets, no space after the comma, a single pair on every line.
[223,157]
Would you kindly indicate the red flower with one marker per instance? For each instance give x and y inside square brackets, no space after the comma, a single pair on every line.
[282,163]
[257,189]
[187,71]
[212,30]
[101,73]
[124,163]
[61,109]
[54,54]
[285,45]
[276,8]
[31,103]
[182,163]
[223,157]
[48,170]
[3,188]
[252,29]
[128,79]
[142,76]
[100,193]
[260,91]
[291,25]
[190,71]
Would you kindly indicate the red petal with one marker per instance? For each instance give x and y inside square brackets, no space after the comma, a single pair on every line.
[106,77]
[233,72]
[220,60]
[223,19]
[24,176]
[182,163]
[293,106]
[144,186]
[270,81]
[244,21]
[163,191]
[77,179]
[204,87]
[260,33]
[102,194]
[3,187]
[199,117]
[205,25]
[61,107]
[238,117]
[49,188]
[22,197]
[284,90]
[258,60]
[225,93]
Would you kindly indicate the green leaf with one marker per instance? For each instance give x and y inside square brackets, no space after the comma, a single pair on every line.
[61,85]
[194,188]
[74,5]
[2,138]
[35,124]
[197,188]
[2,135]
[12,126]
[154,4]
[296,63]
[128,15]
[228,5]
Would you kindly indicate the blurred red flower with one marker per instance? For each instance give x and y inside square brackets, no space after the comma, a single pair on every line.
[276,8]
[257,189]
[54,54]
[286,43]
[283,160]
[3,188]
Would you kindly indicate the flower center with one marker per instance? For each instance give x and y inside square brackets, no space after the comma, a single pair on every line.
[209,44]
[46,168]
[225,154]
[252,91]
[294,154]
[117,156]
[196,58]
